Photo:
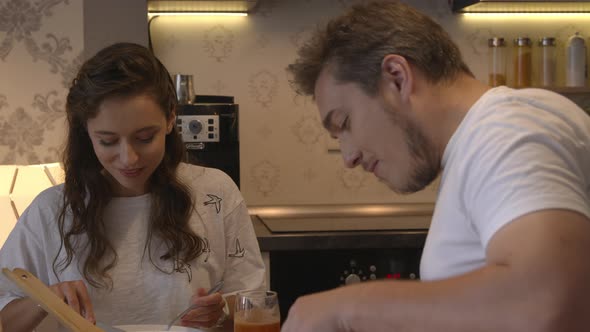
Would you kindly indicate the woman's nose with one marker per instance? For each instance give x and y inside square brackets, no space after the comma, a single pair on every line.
[351,158]
[128,155]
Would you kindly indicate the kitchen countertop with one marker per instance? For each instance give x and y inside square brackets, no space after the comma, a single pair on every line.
[413,220]
[336,240]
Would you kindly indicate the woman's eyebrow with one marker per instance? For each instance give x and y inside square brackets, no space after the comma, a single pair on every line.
[148,128]
[111,133]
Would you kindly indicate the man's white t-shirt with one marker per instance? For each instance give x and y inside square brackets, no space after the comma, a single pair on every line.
[515,152]
[141,293]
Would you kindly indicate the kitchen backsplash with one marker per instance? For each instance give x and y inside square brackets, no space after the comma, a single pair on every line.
[284,149]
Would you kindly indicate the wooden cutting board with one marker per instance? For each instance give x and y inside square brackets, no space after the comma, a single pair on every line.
[49,301]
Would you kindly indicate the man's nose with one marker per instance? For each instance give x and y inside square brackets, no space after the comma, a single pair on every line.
[128,154]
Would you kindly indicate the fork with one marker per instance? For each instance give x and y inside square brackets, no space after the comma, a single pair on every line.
[213,289]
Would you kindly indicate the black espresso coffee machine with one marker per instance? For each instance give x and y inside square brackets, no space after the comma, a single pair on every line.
[210,131]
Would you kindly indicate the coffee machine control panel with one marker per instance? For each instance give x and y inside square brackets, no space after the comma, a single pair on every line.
[198,128]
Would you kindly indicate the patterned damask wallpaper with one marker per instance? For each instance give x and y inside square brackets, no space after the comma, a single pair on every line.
[284,150]
[41,44]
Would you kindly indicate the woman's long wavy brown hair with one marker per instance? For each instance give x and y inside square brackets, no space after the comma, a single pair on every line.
[120,70]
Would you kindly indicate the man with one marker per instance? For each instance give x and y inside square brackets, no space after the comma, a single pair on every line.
[508,244]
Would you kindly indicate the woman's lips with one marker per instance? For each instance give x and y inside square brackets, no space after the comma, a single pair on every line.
[371,167]
[131,173]
[375,169]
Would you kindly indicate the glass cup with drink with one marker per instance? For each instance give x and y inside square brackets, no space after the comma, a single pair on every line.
[257,311]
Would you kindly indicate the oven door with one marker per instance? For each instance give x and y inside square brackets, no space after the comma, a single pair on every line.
[295,273]
[316,248]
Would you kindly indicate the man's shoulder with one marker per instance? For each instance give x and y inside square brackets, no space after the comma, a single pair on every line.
[506,104]
[505,113]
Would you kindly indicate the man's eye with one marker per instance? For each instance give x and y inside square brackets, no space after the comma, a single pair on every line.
[345,123]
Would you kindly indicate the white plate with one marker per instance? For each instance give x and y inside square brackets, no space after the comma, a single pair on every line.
[155,328]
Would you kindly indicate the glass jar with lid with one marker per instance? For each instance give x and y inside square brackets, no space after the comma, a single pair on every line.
[523,62]
[547,62]
[576,73]
[496,61]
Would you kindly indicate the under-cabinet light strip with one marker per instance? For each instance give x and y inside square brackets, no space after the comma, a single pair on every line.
[197,14]
[528,15]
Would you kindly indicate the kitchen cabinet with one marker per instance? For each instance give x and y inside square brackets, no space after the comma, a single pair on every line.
[159,7]
[520,6]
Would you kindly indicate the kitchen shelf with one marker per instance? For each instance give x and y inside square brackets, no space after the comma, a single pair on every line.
[579,95]
[202,6]
[566,90]
[569,90]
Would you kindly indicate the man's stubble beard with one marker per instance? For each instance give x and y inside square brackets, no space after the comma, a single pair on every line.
[424,158]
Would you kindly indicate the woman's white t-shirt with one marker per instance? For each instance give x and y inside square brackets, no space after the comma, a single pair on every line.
[141,293]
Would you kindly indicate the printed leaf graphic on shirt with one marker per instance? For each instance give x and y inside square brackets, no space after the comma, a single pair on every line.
[239,253]
[214,200]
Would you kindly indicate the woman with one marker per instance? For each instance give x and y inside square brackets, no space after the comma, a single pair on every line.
[133,236]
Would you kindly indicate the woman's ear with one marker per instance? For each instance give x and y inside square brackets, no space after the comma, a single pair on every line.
[396,70]
[171,121]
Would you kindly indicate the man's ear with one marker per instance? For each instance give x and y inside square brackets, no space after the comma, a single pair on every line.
[396,70]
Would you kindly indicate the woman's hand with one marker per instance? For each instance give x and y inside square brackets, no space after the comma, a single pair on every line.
[208,309]
[75,294]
